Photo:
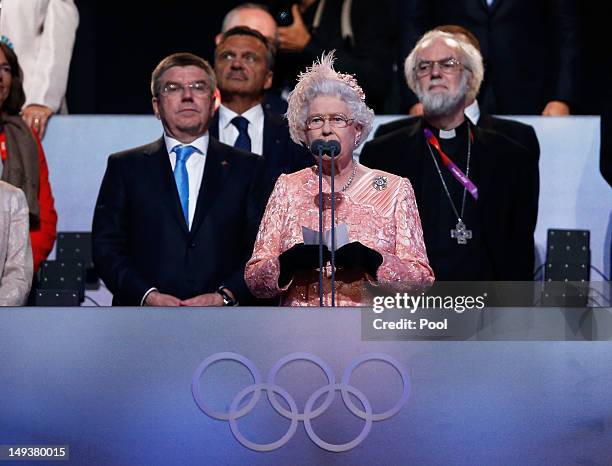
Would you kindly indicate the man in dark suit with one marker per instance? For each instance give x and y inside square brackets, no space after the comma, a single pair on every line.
[175,220]
[531,50]
[243,66]
[478,226]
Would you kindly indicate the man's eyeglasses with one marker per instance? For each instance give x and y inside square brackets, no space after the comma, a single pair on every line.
[336,120]
[448,66]
[199,88]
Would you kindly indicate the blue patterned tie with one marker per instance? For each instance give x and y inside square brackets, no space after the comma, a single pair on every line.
[181,177]
[243,141]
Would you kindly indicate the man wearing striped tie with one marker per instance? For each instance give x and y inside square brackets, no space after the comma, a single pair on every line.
[175,220]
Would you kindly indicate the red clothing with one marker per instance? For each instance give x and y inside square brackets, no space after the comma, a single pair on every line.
[43,235]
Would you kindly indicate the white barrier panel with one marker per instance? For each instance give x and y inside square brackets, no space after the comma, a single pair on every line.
[573,193]
[127,387]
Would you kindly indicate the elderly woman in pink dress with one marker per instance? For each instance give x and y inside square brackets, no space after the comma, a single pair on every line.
[385,245]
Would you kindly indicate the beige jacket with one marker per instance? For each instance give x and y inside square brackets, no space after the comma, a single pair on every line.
[15,250]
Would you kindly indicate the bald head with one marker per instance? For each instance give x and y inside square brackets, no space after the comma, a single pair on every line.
[253,16]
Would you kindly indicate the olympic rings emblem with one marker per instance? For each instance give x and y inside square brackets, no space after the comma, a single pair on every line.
[273,391]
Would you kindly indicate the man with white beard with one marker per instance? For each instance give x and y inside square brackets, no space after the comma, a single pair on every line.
[478,214]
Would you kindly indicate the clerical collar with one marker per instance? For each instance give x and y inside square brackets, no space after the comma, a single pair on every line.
[442,134]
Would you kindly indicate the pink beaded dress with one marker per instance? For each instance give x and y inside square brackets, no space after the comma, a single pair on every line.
[379,210]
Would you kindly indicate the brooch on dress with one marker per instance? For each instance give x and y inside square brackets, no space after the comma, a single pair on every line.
[380,183]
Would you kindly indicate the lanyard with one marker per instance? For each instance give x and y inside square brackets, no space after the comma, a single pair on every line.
[448,163]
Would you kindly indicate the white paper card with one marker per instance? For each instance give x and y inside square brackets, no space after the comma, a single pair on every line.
[312,236]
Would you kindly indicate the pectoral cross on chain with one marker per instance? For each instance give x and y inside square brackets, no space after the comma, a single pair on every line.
[461,233]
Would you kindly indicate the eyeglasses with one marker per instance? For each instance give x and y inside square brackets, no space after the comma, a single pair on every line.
[336,120]
[199,88]
[448,66]
[5,69]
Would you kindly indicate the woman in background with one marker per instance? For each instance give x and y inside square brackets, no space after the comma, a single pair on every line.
[22,159]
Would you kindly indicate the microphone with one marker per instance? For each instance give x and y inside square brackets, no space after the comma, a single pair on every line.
[333,147]
[320,147]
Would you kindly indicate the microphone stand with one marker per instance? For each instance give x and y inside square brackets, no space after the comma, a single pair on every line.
[321,226]
[319,147]
[333,232]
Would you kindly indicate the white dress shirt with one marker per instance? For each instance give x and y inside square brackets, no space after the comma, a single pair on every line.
[195,167]
[228,132]
[472,112]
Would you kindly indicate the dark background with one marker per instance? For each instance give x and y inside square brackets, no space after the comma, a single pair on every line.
[117,48]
